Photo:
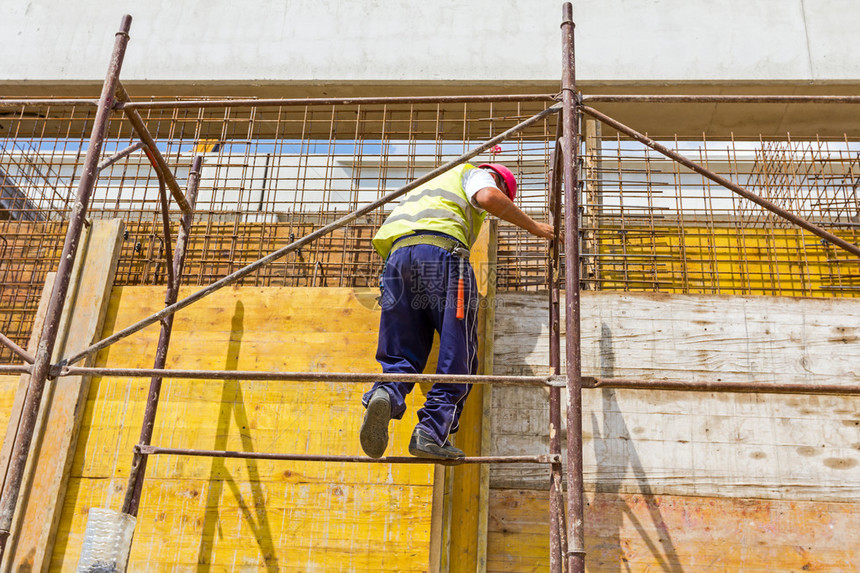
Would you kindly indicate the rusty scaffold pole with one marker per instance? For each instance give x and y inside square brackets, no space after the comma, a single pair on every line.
[550,381]
[557,527]
[570,143]
[26,356]
[47,340]
[535,459]
[136,476]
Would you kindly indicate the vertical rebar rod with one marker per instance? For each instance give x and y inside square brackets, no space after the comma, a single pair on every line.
[137,474]
[165,219]
[48,338]
[592,210]
[557,537]
[570,143]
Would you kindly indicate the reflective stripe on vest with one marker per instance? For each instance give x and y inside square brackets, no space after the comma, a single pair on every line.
[440,206]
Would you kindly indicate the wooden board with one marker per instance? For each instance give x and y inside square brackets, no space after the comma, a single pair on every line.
[244,514]
[639,532]
[486,338]
[40,504]
[8,387]
[681,443]
[691,337]
[464,545]
[13,415]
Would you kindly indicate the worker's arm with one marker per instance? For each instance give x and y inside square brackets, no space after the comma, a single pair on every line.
[497,203]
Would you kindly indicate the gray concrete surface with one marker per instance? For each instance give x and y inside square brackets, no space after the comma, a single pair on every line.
[394,41]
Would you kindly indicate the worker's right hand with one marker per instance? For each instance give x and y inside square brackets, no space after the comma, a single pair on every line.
[542,230]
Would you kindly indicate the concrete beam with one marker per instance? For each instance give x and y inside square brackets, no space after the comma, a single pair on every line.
[308,42]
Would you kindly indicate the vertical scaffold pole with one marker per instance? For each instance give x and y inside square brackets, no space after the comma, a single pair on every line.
[138,466]
[570,145]
[48,338]
[557,531]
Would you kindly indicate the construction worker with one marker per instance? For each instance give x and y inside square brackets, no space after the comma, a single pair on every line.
[428,285]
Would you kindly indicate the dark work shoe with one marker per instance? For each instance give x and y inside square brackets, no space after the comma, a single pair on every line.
[423,446]
[374,428]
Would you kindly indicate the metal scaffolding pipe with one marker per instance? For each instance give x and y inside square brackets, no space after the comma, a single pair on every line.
[15,369]
[154,154]
[154,450]
[137,474]
[285,102]
[728,184]
[782,99]
[165,219]
[48,338]
[557,527]
[548,381]
[350,377]
[244,271]
[6,103]
[570,146]
[729,387]
[120,155]
[10,344]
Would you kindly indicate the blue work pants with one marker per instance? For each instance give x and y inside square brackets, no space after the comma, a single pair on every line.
[419,296]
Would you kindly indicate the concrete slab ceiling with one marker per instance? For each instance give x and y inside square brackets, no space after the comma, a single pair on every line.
[271,48]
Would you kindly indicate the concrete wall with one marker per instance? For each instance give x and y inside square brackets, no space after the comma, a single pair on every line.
[485,42]
[686,481]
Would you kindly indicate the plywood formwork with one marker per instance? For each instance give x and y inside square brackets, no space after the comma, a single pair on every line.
[8,386]
[220,514]
[304,321]
[689,480]
[646,532]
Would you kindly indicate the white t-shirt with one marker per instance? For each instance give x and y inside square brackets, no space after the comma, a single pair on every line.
[474,180]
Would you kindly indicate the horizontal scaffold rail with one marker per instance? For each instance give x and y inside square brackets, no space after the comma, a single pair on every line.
[283,102]
[680,98]
[552,381]
[394,100]
[14,369]
[727,387]
[351,377]
[538,459]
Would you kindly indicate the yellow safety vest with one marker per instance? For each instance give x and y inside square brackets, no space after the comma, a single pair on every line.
[441,205]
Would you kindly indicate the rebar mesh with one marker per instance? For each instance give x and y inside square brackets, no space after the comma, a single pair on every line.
[273,174]
[649,223]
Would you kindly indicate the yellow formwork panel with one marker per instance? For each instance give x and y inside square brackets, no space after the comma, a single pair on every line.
[244,515]
[8,387]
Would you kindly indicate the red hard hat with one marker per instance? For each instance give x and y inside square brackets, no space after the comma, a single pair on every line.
[506,175]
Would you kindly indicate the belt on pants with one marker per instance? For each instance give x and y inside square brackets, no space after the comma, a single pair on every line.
[450,244]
